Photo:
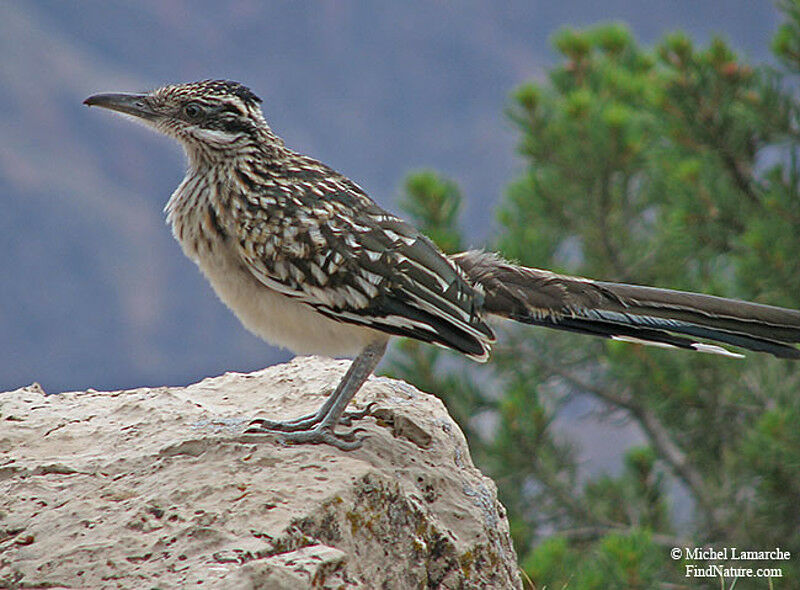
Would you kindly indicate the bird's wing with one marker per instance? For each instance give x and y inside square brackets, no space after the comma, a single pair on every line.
[321,240]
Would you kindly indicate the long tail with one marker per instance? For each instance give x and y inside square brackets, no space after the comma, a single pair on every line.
[661,317]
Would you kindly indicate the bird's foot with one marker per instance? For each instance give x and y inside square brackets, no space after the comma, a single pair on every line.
[304,423]
[325,434]
[320,434]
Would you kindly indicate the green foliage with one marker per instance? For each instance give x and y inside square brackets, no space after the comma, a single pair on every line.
[628,560]
[786,43]
[675,166]
[434,203]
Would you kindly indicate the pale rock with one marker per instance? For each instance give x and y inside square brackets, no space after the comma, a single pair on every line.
[159,488]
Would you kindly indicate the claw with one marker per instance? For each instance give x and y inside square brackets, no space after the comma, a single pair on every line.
[253,430]
[350,434]
[301,423]
[348,417]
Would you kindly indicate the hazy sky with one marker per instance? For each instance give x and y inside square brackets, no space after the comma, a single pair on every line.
[95,291]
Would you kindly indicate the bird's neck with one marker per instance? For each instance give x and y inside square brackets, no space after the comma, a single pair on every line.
[214,172]
[218,149]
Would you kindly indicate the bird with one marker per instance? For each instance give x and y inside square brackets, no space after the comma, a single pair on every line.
[308,261]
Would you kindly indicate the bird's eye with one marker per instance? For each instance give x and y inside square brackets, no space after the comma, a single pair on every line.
[193,110]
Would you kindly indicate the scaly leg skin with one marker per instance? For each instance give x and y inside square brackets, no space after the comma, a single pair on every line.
[318,428]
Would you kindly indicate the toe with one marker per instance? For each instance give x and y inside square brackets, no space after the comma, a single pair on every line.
[345,441]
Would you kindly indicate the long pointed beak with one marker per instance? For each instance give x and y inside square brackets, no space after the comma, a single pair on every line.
[130,104]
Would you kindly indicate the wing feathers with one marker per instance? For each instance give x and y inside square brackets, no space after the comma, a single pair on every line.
[324,243]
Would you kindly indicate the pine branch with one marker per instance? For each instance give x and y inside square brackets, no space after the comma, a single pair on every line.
[593,533]
[666,448]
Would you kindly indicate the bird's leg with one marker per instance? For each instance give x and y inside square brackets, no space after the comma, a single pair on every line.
[319,427]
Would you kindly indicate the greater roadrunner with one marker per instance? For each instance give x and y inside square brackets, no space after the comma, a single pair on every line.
[309,262]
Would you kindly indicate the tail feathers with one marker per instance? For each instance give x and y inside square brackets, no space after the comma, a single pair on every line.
[631,334]
[729,315]
[636,333]
[631,313]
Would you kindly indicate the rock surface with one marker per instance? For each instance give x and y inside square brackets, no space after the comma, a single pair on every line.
[159,488]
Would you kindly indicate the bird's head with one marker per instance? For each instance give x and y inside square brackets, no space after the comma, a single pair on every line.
[209,118]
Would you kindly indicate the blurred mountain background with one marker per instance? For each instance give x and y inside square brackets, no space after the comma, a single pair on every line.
[95,293]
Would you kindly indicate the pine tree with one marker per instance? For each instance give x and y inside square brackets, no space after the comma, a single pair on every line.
[677,167]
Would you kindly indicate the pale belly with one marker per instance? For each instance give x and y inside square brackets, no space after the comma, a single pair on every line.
[278,319]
